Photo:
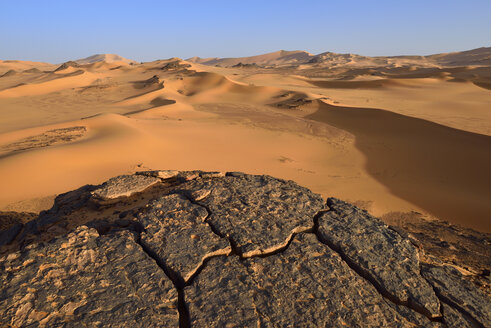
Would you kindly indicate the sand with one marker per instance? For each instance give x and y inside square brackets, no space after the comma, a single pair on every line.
[383,140]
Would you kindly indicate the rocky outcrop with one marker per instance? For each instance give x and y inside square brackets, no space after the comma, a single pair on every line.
[85,277]
[380,254]
[208,249]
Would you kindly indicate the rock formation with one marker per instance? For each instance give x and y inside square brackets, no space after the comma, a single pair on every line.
[208,249]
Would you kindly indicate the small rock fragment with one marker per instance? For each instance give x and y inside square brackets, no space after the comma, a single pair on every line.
[162,174]
[124,186]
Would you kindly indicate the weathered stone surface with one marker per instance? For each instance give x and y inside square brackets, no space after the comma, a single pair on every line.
[379,253]
[124,185]
[8,235]
[307,285]
[208,175]
[175,231]
[159,256]
[162,174]
[292,288]
[221,295]
[459,293]
[85,278]
[455,319]
[416,318]
[449,243]
[262,212]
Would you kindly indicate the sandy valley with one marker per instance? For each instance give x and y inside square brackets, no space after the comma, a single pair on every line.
[389,134]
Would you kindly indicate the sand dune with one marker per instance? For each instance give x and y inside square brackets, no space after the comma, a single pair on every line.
[387,133]
[107,58]
[446,171]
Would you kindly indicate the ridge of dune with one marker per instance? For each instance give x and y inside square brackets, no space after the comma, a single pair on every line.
[21,65]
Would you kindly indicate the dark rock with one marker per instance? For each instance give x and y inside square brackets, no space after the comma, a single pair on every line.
[241,65]
[459,293]
[222,289]
[124,186]
[84,277]
[291,287]
[10,218]
[8,235]
[448,243]
[380,254]
[262,212]
[174,65]
[205,249]
[175,231]
[455,319]
[66,65]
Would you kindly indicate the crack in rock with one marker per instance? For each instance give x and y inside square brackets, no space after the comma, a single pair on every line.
[174,229]
[262,212]
[307,283]
[379,254]
[458,293]
[201,249]
[84,277]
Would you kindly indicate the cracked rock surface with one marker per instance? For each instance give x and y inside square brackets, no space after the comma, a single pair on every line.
[84,277]
[175,231]
[379,253]
[458,293]
[262,212]
[209,249]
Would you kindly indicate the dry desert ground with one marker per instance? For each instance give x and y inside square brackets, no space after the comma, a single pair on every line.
[407,134]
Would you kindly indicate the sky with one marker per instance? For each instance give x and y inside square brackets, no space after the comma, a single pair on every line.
[56,31]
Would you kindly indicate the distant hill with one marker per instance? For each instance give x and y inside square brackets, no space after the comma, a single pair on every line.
[108,58]
[480,56]
[273,58]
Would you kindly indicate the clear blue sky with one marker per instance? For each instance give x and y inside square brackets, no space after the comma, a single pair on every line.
[56,31]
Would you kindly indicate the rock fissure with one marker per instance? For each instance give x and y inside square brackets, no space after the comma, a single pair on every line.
[362,273]
[471,305]
[178,284]
[236,248]
[456,307]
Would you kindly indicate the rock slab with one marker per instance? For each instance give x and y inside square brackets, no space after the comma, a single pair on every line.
[206,249]
[84,277]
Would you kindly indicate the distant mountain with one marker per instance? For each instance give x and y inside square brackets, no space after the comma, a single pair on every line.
[274,58]
[108,58]
[480,56]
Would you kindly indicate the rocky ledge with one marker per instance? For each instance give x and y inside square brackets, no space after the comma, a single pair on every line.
[209,249]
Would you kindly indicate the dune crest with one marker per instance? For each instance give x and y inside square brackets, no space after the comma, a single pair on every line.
[390,134]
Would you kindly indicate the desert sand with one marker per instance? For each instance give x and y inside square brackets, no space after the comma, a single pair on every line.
[390,134]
